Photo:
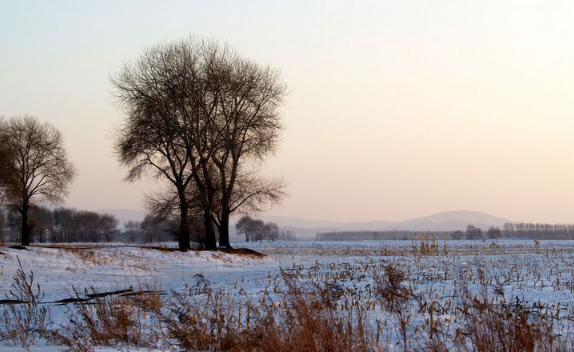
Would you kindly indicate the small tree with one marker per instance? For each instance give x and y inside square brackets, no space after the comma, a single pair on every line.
[244,227]
[271,231]
[473,233]
[257,230]
[132,230]
[108,225]
[457,235]
[34,165]
[149,228]
[494,233]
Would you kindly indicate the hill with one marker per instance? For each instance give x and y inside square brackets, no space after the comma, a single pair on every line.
[444,221]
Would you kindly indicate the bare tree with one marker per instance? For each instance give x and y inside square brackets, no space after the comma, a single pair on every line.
[272,231]
[473,233]
[244,129]
[132,230]
[34,165]
[153,93]
[197,111]
[257,230]
[457,235]
[244,226]
[494,233]
[108,225]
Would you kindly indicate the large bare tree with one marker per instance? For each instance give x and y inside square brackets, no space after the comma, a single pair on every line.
[196,111]
[34,165]
[249,127]
[154,93]
[148,143]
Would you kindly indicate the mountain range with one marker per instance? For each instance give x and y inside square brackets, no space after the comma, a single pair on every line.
[445,221]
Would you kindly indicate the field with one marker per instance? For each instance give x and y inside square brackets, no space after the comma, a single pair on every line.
[423,295]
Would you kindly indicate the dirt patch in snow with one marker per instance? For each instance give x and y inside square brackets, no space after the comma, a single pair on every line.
[242,251]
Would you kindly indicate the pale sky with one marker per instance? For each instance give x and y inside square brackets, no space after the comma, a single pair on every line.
[396,109]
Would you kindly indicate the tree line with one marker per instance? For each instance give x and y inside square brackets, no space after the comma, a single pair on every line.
[539,231]
[508,230]
[374,235]
[67,225]
[58,225]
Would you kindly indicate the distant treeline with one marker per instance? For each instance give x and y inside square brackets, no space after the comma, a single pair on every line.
[65,225]
[509,230]
[57,225]
[375,235]
[539,231]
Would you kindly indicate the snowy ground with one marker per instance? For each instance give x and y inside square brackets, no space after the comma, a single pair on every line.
[539,275]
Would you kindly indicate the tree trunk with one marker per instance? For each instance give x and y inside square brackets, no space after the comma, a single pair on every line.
[224,229]
[184,236]
[25,226]
[210,241]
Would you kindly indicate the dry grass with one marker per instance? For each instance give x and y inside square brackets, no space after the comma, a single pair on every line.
[120,321]
[308,321]
[494,324]
[353,304]
[23,321]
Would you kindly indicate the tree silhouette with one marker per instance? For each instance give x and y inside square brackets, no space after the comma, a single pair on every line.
[33,165]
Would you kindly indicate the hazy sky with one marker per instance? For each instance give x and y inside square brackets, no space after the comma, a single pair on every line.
[397,109]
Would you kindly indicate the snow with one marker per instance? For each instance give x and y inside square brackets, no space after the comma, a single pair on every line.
[539,275]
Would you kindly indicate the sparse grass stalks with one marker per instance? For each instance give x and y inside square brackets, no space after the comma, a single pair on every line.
[200,326]
[106,321]
[396,300]
[204,319]
[492,325]
[425,244]
[23,321]
[307,321]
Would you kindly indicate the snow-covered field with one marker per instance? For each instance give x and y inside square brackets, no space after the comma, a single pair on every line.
[527,276]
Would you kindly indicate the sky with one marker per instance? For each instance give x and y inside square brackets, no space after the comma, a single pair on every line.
[396,109]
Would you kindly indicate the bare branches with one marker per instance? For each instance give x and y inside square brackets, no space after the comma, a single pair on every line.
[195,112]
[34,160]
[33,164]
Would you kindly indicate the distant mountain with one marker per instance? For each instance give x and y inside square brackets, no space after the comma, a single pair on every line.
[445,221]
[124,215]
[452,221]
